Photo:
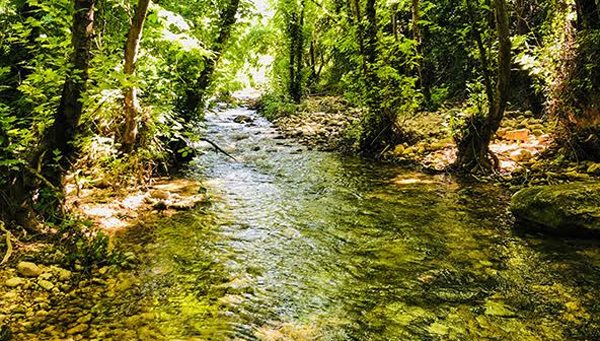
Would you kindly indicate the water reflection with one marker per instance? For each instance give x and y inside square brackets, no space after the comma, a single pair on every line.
[312,245]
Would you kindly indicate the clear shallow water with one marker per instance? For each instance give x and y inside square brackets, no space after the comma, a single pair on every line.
[308,245]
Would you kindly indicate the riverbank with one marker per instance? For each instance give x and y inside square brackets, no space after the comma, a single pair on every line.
[524,143]
[51,291]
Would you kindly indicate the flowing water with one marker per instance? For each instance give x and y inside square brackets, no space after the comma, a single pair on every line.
[306,245]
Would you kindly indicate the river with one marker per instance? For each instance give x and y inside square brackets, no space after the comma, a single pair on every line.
[300,244]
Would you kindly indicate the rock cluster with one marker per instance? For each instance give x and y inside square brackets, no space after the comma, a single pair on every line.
[39,302]
[321,130]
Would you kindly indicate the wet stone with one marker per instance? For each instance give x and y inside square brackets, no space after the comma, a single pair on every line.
[15,282]
[47,285]
[28,269]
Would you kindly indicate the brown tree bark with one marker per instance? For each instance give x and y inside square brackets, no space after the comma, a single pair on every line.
[53,158]
[575,98]
[473,146]
[132,47]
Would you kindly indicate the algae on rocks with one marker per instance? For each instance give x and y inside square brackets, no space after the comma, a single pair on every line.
[566,209]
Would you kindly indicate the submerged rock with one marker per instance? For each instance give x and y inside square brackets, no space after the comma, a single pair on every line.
[15,282]
[567,209]
[46,285]
[28,269]
[242,119]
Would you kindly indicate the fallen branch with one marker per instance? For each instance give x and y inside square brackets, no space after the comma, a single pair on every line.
[9,247]
[217,148]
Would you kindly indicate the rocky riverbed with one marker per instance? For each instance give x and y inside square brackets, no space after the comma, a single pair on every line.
[44,295]
[48,302]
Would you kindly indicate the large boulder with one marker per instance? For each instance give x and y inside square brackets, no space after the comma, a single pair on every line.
[568,209]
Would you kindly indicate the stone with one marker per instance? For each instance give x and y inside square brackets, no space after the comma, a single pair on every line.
[594,169]
[243,119]
[63,274]
[84,319]
[516,135]
[566,209]
[28,269]
[46,285]
[45,276]
[78,329]
[158,194]
[521,155]
[14,282]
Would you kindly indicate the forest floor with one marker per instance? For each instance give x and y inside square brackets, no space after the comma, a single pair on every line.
[45,296]
[524,143]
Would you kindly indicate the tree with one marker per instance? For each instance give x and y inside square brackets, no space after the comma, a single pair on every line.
[473,144]
[575,99]
[132,47]
[195,96]
[56,149]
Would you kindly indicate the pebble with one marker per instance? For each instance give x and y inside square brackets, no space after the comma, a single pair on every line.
[78,329]
[28,269]
[15,282]
[47,285]
[63,275]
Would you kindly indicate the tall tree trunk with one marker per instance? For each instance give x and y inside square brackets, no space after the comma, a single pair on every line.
[483,58]
[299,52]
[418,37]
[132,47]
[576,96]
[473,146]
[292,32]
[379,125]
[358,22]
[312,55]
[195,97]
[56,149]
[394,20]
[371,32]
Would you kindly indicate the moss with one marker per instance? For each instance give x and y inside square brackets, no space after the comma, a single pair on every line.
[568,209]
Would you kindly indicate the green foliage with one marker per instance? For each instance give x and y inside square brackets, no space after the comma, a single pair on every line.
[273,106]
[83,247]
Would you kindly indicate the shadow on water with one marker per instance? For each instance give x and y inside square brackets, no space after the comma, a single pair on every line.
[302,245]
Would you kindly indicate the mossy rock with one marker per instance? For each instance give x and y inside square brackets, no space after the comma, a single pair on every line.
[566,209]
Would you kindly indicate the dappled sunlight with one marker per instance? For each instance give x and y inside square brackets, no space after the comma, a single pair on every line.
[413,179]
[163,198]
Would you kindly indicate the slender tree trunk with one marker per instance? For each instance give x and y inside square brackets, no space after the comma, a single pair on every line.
[483,58]
[395,21]
[195,97]
[296,50]
[132,47]
[371,31]
[418,37]
[297,91]
[312,55]
[292,31]
[56,150]
[358,21]
[473,147]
